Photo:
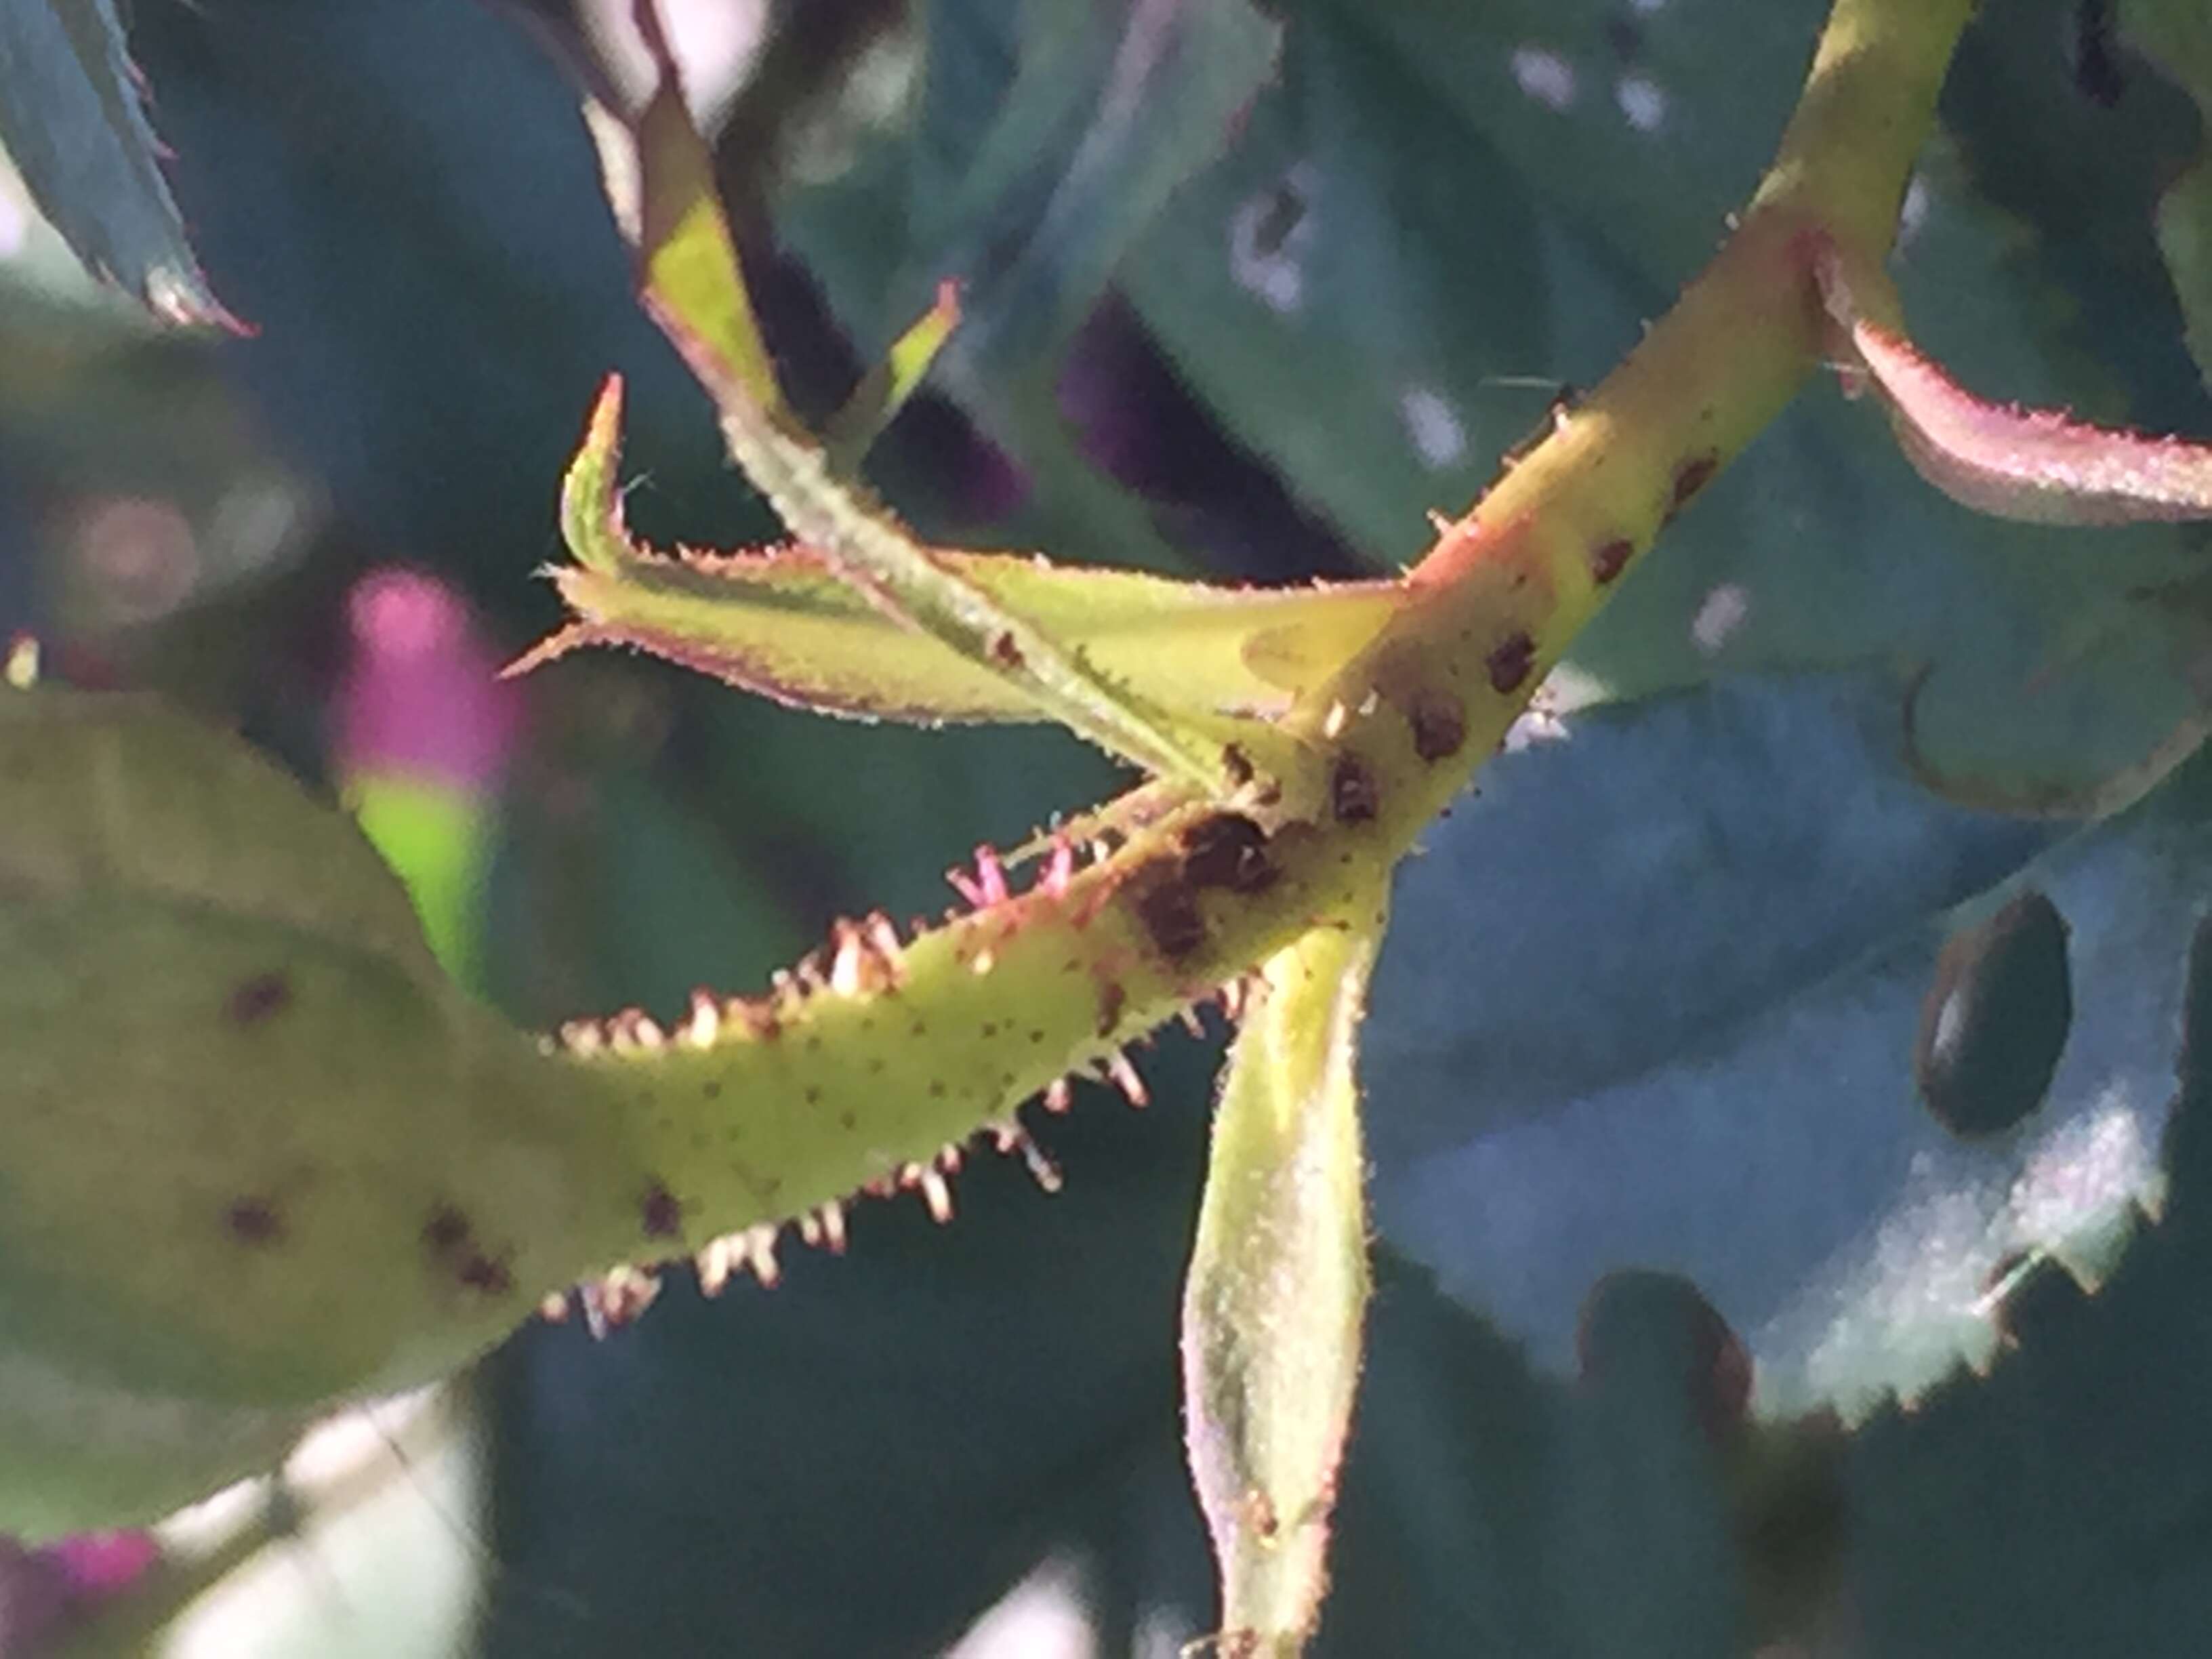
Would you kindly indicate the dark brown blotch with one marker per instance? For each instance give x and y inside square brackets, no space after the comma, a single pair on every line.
[1007,652]
[252,1220]
[1352,793]
[1609,559]
[1111,999]
[660,1213]
[1237,764]
[1439,726]
[1692,476]
[1167,908]
[446,1232]
[484,1272]
[1229,850]
[260,998]
[1510,662]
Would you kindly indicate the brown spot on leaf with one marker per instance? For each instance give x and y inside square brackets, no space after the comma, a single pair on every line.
[1508,663]
[1690,477]
[659,1212]
[1006,651]
[1227,849]
[253,1220]
[1609,559]
[1237,764]
[255,999]
[1439,726]
[1352,797]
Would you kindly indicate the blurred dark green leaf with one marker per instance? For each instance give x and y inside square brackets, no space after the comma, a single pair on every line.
[73,121]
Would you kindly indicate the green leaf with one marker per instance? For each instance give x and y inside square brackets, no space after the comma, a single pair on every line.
[882,391]
[1276,1298]
[71,121]
[2178,36]
[238,1093]
[784,622]
[659,180]
[1711,986]
[695,291]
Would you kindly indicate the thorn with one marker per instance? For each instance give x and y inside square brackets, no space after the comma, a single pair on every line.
[631,1030]
[617,1298]
[754,1248]
[1193,1023]
[582,1036]
[1232,999]
[714,1264]
[988,885]
[1060,868]
[882,936]
[1058,1095]
[949,1159]
[990,874]
[554,1310]
[832,1216]
[1011,1138]
[758,1018]
[760,1254]
[811,979]
[936,1192]
[1124,1077]
[1439,522]
[847,961]
[706,1022]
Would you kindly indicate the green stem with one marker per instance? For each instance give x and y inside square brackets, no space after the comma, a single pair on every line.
[981,1013]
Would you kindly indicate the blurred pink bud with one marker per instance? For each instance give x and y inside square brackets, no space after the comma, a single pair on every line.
[98,1563]
[421,696]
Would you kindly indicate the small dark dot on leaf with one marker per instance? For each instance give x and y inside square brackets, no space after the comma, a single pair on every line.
[255,999]
[253,1221]
[446,1230]
[659,1212]
[1609,559]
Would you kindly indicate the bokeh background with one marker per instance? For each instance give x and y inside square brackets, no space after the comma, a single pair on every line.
[1698,1331]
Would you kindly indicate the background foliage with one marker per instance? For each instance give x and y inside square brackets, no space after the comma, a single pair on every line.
[1641,1053]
